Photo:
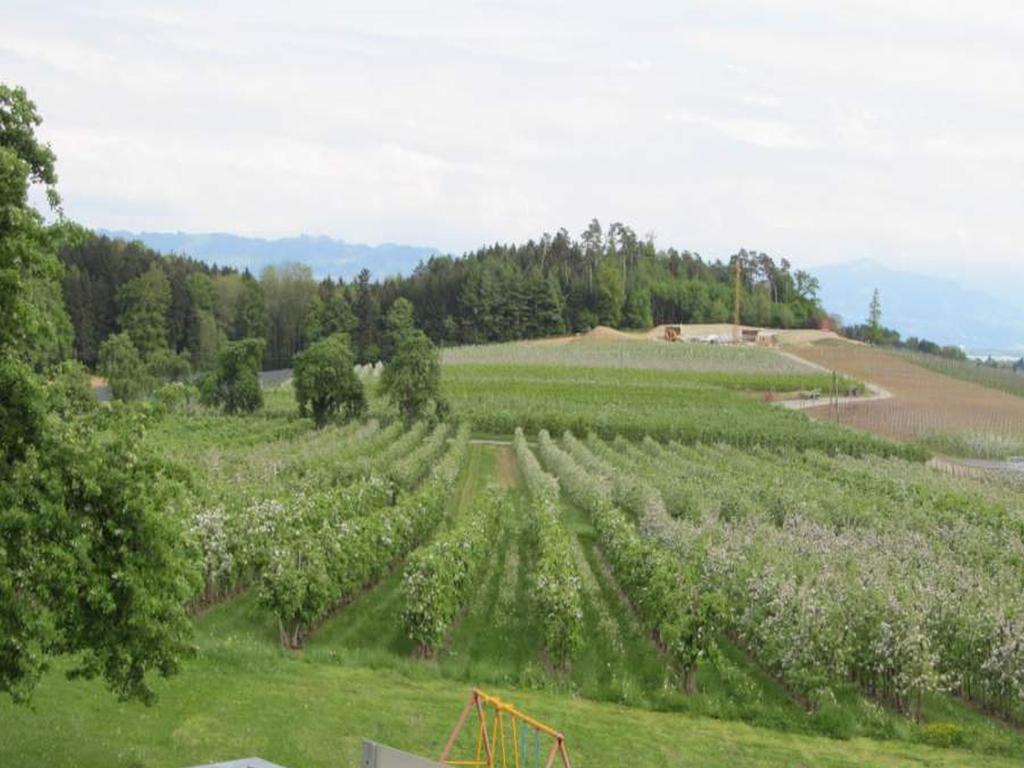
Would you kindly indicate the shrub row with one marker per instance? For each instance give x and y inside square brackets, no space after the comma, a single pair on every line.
[663,589]
[439,577]
[410,469]
[322,557]
[556,585]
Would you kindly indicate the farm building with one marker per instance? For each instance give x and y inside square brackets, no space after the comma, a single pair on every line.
[759,336]
[684,333]
[745,335]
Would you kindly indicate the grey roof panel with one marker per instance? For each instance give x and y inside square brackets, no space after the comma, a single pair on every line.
[381,756]
[245,762]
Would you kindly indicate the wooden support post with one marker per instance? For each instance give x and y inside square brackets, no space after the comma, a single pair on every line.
[565,753]
[483,725]
[458,727]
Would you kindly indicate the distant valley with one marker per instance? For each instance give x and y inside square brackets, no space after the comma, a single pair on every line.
[935,308]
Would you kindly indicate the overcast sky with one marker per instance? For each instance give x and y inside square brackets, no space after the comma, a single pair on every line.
[821,131]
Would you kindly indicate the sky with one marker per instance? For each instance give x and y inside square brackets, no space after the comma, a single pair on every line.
[818,131]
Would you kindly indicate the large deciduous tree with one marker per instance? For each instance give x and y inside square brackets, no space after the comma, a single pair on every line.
[412,377]
[36,326]
[204,335]
[91,563]
[326,381]
[235,383]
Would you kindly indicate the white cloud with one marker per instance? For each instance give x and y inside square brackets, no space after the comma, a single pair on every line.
[816,131]
[770,134]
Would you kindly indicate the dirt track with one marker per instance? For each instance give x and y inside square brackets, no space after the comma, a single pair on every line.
[922,401]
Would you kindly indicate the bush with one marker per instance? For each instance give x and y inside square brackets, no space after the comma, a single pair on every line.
[177,397]
[411,467]
[69,390]
[164,365]
[946,735]
[122,366]
[834,721]
[326,381]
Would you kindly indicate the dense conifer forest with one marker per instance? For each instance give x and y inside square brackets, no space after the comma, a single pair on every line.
[181,310]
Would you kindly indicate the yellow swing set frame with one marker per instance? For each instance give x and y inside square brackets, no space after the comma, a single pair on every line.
[501,738]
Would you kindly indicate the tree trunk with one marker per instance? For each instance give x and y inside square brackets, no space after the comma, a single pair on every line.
[282,633]
[690,680]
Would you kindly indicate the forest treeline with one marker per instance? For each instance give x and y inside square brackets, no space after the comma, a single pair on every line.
[179,311]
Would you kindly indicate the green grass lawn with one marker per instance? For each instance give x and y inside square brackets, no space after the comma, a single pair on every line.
[236,700]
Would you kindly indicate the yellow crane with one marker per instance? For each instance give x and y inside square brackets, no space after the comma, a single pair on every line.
[736,300]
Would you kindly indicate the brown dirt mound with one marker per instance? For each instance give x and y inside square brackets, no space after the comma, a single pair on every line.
[604,333]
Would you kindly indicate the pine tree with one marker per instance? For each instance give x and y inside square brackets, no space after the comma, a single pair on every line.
[637,311]
[611,293]
[367,311]
[547,306]
[875,318]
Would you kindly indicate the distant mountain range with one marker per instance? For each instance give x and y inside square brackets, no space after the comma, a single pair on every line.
[326,256]
[939,309]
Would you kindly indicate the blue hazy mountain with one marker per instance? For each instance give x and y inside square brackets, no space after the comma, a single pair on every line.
[326,256]
[940,309]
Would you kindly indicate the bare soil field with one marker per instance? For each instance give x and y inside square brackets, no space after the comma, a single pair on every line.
[923,402]
[657,333]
